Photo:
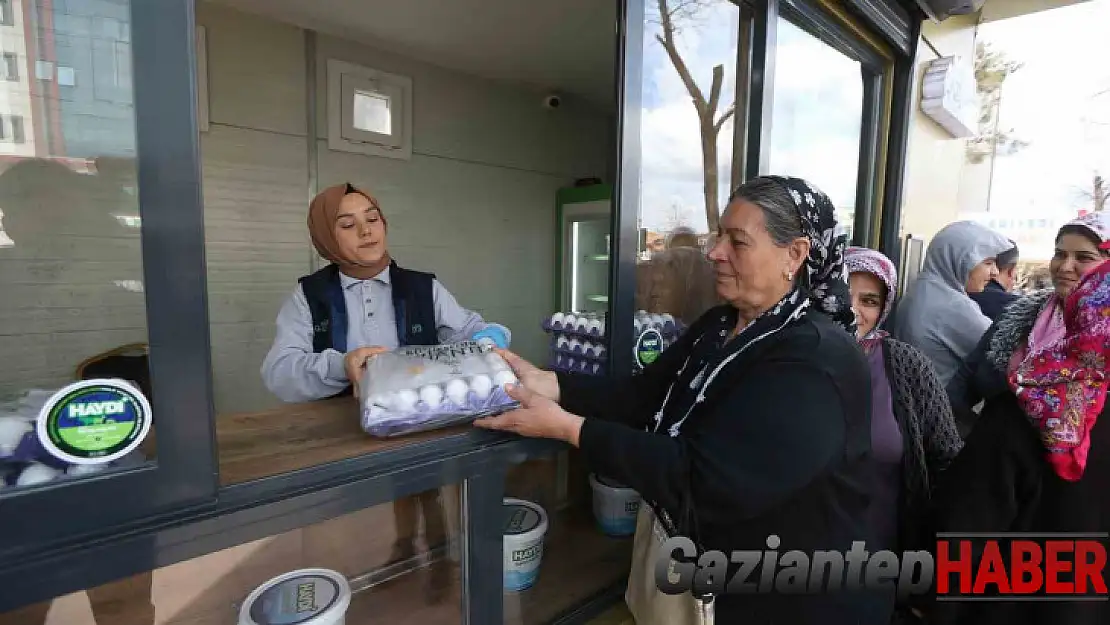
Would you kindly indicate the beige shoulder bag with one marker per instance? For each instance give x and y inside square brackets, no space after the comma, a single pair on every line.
[648,604]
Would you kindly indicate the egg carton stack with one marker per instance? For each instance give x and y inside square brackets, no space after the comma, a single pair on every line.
[578,339]
[577,342]
[23,459]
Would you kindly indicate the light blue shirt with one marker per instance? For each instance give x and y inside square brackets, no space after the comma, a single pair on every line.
[294,373]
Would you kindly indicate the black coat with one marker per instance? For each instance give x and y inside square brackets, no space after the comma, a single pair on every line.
[1000,481]
[993,299]
[781,446]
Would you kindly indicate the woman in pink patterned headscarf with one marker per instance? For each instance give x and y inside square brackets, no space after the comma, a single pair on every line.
[1038,458]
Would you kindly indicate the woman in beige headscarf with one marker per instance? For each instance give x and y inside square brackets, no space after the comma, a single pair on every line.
[361,303]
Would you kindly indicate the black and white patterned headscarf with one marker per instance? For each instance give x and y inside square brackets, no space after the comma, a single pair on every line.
[827,290]
[825,268]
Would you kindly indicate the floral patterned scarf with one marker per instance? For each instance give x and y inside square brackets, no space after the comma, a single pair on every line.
[1062,389]
[864,260]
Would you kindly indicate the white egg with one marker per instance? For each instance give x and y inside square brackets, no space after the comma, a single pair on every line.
[570,321]
[85,469]
[561,342]
[595,326]
[557,318]
[657,320]
[456,392]
[431,395]
[504,378]
[481,385]
[668,318]
[11,432]
[496,363]
[405,401]
[37,474]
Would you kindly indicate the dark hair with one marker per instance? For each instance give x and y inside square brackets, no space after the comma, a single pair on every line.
[783,222]
[1083,232]
[1007,259]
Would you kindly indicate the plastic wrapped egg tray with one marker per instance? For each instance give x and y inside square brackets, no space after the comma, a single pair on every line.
[577,340]
[419,388]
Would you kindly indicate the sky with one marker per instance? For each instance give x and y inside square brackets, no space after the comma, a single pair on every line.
[816,115]
[1051,103]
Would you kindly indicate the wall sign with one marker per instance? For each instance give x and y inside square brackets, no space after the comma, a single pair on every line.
[94,421]
[648,347]
[950,97]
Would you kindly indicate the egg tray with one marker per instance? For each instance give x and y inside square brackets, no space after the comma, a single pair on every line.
[590,355]
[668,330]
[387,423]
[584,367]
[558,328]
[408,390]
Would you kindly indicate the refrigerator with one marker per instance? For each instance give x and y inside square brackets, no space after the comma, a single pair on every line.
[584,224]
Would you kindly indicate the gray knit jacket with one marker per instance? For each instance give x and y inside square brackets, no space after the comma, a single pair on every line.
[929,434]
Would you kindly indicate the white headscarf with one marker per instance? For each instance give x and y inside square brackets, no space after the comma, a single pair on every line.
[936,315]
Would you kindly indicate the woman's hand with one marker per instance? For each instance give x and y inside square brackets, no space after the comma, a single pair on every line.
[537,417]
[355,363]
[544,383]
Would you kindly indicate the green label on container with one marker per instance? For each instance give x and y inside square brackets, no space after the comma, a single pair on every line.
[648,347]
[95,421]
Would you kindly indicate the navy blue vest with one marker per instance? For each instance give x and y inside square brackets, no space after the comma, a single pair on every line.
[413,307]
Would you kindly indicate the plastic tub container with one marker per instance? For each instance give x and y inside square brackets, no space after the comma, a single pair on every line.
[302,597]
[524,529]
[615,506]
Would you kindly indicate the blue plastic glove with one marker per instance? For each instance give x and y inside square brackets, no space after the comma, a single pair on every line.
[495,334]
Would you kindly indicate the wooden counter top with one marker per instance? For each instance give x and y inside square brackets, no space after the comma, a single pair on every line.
[255,445]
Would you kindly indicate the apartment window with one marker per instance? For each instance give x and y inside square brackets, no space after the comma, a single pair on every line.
[9,66]
[44,70]
[369,111]
[7,18]
[16,123]
[11,129]
[67,76]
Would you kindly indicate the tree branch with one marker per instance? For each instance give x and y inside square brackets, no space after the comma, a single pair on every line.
[715,90]
[668,43]
[725,115]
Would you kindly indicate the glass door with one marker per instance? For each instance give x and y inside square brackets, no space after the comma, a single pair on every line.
[100,266]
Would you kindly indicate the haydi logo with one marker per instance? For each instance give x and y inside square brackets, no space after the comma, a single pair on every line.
[1021,567]
[967,567]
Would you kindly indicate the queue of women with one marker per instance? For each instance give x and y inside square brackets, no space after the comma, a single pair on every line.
[809,405]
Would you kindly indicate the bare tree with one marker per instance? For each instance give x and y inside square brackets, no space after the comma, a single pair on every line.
[671,13]
[677,217]
[992,68]
[1099,192]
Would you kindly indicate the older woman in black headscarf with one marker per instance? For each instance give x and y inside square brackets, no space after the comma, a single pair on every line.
[750,432]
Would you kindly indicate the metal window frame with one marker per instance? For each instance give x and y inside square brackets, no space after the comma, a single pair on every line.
[876,69]
[183,474]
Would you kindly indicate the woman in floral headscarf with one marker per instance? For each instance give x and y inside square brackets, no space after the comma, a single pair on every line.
[753,424]
[1038,458]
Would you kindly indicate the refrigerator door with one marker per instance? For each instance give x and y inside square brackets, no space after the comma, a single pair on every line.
[586,237]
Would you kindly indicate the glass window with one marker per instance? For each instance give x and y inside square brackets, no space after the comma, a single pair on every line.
[687,137]
[577,559]
[816,117]
[372,112]
[71,269]
[397,571]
